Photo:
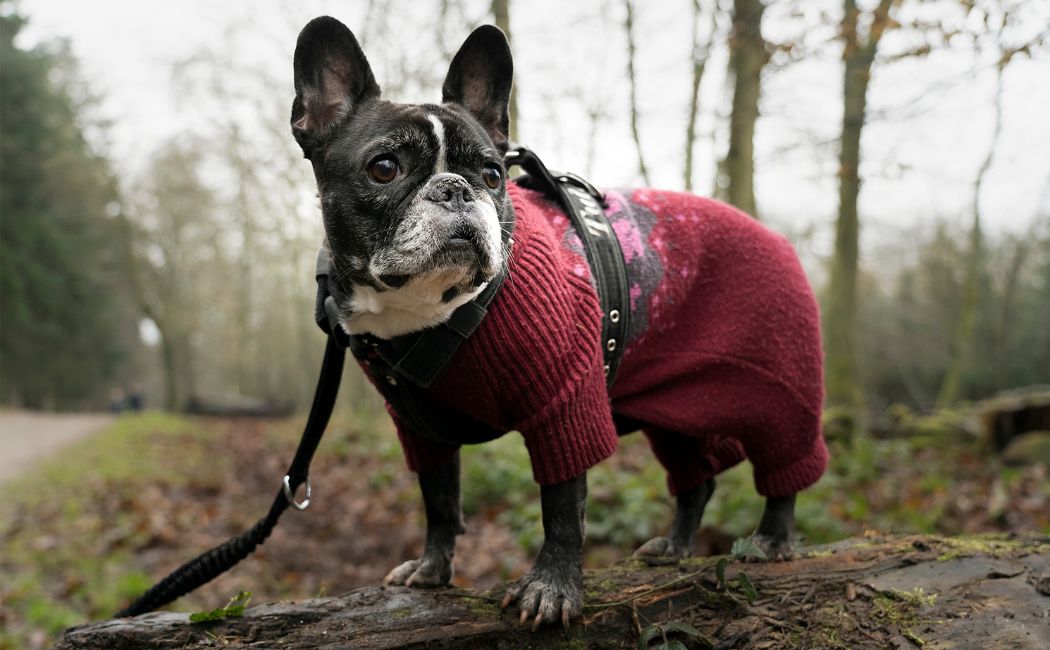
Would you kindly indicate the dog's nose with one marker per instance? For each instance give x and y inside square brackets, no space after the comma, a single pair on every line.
[451,191]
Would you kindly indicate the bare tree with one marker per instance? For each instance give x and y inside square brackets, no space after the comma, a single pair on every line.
[700,50]
[962,343]
[962,350]
[747,56]
[174,259]
[632,81]
[840,316]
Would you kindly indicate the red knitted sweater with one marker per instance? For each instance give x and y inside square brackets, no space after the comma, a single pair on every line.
[723,358]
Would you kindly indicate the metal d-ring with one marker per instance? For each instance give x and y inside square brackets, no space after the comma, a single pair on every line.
[290,495]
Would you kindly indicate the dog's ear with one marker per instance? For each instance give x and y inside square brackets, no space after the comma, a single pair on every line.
[332,77]
[480,78]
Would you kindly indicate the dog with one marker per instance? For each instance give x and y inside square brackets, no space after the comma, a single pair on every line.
[723,358]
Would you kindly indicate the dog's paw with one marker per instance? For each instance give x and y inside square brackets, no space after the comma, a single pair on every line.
[547,596]
[422,574]
[660,550]
[776,549]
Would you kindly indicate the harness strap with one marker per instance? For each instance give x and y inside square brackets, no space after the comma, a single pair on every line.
[584,204]
[420,357]
[403,368]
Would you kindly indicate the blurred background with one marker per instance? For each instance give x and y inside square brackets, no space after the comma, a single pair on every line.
[159,227]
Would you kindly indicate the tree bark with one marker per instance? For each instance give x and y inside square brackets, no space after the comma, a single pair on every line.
[871,592]
[840,316]
[747,57]
[501,16]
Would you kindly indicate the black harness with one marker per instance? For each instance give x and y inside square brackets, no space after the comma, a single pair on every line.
[405,367]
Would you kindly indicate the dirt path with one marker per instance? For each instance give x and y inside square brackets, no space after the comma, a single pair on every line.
[29,436]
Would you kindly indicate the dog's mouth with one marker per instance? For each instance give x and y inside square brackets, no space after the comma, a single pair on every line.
[464,239]
[462,250]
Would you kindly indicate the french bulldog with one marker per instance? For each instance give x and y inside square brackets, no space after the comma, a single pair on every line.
[723,359]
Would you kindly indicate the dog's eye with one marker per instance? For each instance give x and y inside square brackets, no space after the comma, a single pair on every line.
[492,176]
[383,170]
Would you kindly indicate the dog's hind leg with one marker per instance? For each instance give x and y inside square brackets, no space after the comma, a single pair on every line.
[440,487]
[776,529]
[679,542]
[687,460]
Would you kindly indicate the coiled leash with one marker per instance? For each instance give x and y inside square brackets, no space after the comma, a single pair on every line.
[218,560]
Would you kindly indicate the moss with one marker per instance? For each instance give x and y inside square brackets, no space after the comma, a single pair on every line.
[940,425]
[904,608]
[917,597]
[401,612]
[482,608]
[577,640]
[888,607]
[697,563]
[606,585]
[993,544]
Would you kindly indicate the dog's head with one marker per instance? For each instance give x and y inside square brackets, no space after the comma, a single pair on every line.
[413,196]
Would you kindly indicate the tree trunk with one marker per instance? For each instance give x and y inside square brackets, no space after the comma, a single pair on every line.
[840,316]
[501,16]
[172,392]
[963,339]
[1004,327]
[747,57]
[631,80]
[901,593]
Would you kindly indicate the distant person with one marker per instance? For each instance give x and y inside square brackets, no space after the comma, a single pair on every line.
[136,400]
[117,400]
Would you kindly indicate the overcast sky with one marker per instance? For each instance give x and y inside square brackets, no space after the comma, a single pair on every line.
[932,117]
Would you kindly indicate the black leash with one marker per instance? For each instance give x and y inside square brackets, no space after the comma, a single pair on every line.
[218,560]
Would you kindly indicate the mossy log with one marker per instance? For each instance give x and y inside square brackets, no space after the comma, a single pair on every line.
[877,592]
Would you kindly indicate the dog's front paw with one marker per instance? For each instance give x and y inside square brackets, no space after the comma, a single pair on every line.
[660,550]
[422,574]
[776,549]
[547,596]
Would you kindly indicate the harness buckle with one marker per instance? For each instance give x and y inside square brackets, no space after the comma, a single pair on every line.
[289,494]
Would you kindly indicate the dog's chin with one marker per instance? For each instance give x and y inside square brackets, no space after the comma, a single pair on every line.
[458,257]
[419,301]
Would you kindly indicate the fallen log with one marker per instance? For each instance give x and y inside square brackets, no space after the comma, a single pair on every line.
[238,406]
[884,592]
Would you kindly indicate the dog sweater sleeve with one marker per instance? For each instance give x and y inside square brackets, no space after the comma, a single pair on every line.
[543,357]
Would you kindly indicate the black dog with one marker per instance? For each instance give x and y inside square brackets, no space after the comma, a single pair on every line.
[419,219]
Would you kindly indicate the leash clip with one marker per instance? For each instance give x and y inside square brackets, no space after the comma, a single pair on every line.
[290,495]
